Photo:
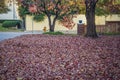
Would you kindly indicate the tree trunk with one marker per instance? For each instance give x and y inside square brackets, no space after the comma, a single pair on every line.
[52,28]
[90,17]
[23,23]
[51,24]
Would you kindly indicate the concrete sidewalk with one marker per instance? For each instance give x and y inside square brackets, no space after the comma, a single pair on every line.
[7,35]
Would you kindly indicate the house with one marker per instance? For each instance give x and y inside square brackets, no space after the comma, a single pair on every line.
[109,23]
[13,13]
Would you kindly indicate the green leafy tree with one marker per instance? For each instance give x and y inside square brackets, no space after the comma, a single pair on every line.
[98,7]
[22,13]
[108,6]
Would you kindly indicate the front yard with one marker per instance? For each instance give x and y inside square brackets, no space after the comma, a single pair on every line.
[47,57]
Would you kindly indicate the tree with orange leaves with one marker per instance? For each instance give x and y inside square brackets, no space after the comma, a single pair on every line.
[62,10]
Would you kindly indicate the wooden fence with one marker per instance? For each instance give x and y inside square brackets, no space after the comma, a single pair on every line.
[110,27]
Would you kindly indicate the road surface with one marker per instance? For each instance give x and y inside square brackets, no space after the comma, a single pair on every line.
[7,35]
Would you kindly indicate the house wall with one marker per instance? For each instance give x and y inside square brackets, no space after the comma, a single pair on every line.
[112,25]
[113,18]
[101,22]
[40,25]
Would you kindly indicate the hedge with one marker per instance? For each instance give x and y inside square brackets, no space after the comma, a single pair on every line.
[8,24]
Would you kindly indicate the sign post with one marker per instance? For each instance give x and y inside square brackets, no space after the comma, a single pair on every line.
[32,9]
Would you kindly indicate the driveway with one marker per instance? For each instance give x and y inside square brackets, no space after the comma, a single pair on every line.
[7,35]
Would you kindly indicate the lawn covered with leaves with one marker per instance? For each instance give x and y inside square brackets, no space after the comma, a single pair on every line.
[47,57]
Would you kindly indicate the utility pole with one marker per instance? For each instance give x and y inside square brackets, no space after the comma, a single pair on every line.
[32,9]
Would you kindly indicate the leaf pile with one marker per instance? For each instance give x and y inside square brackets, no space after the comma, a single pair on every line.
[45,57]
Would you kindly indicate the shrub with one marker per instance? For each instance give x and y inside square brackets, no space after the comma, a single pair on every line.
[1,21]
[54,33]
[8,24]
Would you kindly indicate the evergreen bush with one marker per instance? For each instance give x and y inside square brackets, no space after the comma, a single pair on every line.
[8,24]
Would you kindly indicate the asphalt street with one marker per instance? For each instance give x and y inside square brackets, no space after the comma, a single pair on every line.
[7,35]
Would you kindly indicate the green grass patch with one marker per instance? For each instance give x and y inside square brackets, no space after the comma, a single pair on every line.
[54,33]
[2,28]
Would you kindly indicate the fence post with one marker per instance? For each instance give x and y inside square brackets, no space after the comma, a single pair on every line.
[80,29]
